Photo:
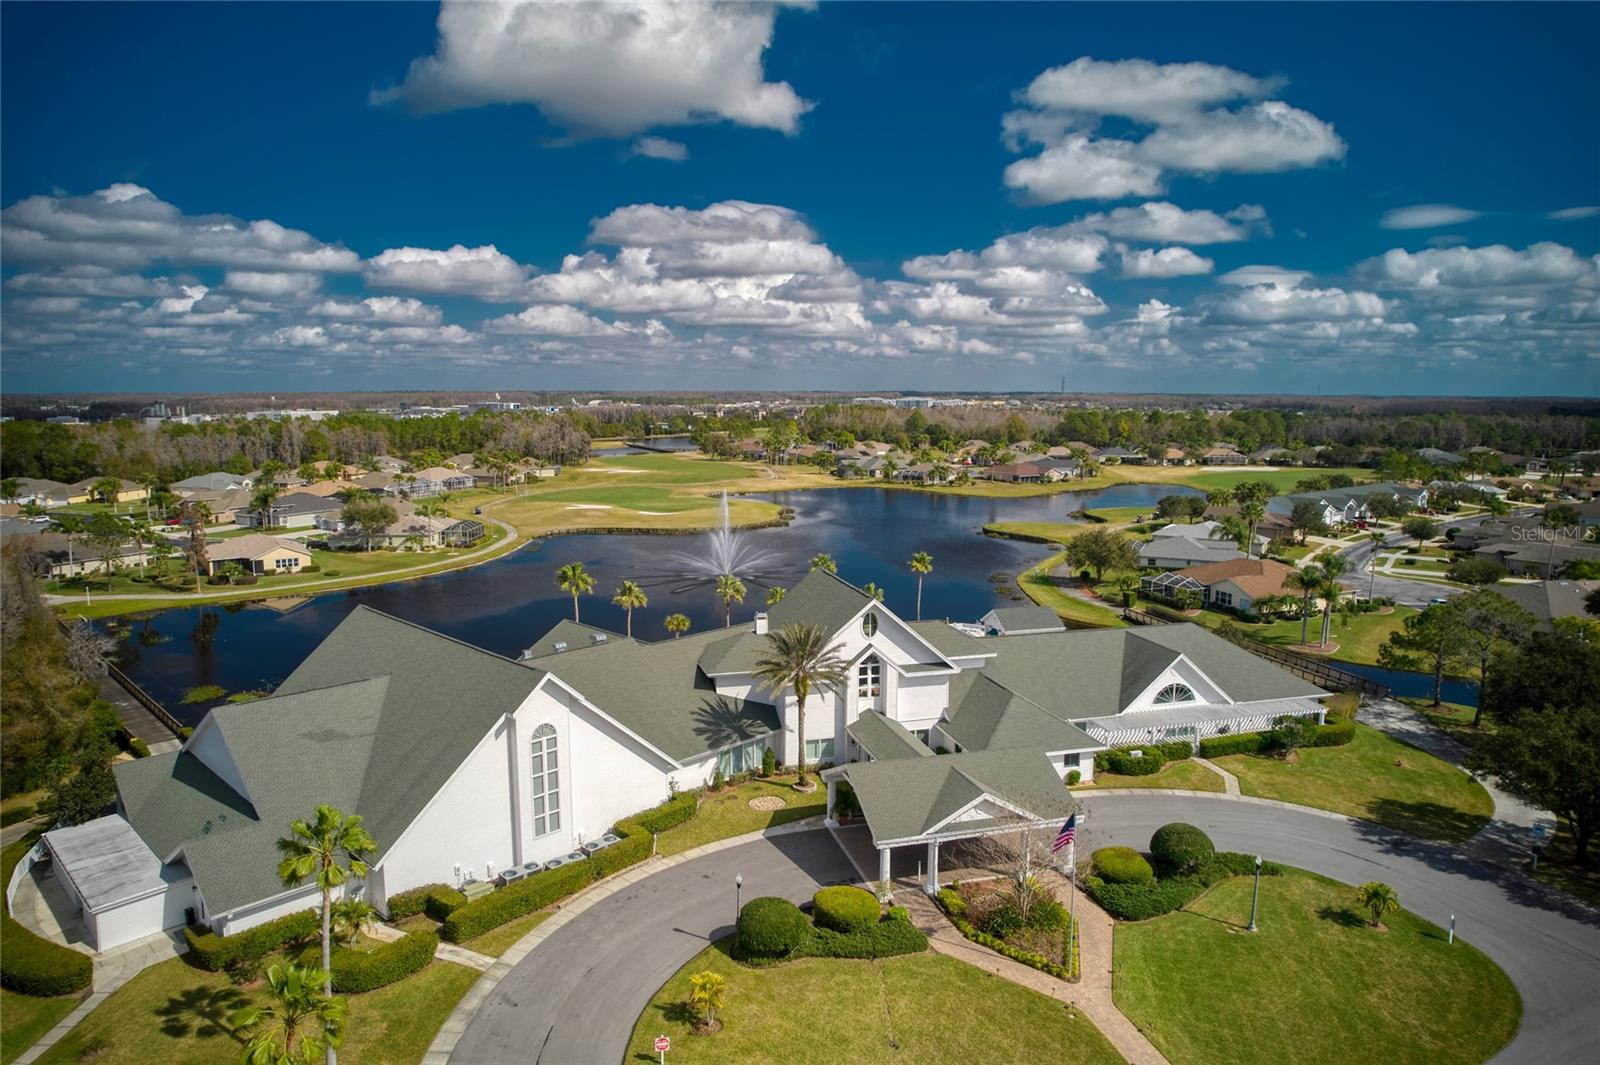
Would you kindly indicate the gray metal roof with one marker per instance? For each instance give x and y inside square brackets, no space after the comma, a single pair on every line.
[885,738]
[906,799]
[107,862]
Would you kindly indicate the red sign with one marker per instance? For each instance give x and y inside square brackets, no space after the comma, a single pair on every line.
[663,1044]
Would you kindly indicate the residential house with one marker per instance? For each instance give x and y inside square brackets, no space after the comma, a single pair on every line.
[212,482]
[1020,621]
[1548,600]
[294,510]
[408,530]
[1267,455]
[1118,455]
[40,492]
[88,490]
[258,554]
[1180,545]
[1175,456]
[1017,472]
[1345,506]
[1435,457]
[1222,455]
[73,556]
[1239,583]
[463,796]
[433,481]
[224,507]
[1542,555]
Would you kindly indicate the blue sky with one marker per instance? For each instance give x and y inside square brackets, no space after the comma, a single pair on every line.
[844,196]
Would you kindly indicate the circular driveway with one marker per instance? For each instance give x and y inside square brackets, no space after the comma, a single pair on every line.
[1547,944]
[576,997]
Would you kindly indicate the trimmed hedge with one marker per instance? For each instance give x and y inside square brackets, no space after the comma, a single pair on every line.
[438,901]
[955,907]
[33,965]
[845,909]
[1122,865]
[355,971]
[771,927]
[887,938]
[670,814]
[542,889]
[215,953]
[1238,743]
[1140,902]
[1152,757]
[1180,848]
[17,813]
[1335,735]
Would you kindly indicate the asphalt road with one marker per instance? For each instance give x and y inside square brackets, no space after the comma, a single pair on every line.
[576,997]
[1410,593]
[1549,946]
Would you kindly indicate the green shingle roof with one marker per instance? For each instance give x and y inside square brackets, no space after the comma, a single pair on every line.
[657,690]
[906,798]
[951,641]
[885,738]
[986,716]
[820,598]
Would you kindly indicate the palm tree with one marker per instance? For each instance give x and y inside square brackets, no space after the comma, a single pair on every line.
[1377,898]
[1235,528]
[1127,584]
[1332,568]
[106,490]
[677,624]
[351,917]
[329,850]
[707,992]
[730,590]
[1307,581]
[873,590]
[824,562]
[629,596]
[575,581]
[297,1022]
[262,502]
[799,656]
[1219,497]
[775,595]
[921,565]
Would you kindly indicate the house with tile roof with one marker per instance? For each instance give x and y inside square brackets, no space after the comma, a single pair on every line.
[466,764]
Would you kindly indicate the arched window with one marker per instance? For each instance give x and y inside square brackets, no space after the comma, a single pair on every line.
[869,676]
[546,781]
[1175,693]
[869,623]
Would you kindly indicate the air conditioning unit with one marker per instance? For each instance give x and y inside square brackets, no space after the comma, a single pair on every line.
[557,863]
[602,843]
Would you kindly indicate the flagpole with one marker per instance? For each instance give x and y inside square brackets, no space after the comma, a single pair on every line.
[1072,895]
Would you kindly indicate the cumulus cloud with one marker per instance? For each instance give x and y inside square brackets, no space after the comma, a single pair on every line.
[1206,119]
[660,148]
[552,320]
[1274,303]
[1496,265]
[1276,276]
[1164,262]
[611,69]
[1165,223]
[126,227]
[485,271]
[270,285]
[1427,216]
[388,310]
[1573,214]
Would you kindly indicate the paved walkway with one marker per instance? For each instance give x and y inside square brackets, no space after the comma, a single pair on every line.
[111,971]
[1230,783]
[1091,994]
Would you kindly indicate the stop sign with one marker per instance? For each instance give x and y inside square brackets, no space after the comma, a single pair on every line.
[663,1044]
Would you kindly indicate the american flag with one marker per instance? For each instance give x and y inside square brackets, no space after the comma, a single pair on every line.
[1065,836]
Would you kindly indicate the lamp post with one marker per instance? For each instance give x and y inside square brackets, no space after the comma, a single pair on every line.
[1255,894]
[738,896]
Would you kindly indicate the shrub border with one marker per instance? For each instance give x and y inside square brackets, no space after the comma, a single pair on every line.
[999,946]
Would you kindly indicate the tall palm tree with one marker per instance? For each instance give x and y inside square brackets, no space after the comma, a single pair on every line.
[328,850]
[629,596]
[1235,528]
[798,656]
[677,624]
[824,562]
[921,565]
[872,589]
[730,590]
[296,1023]
[1307,581]
[262,501]
[1219,497]
[775,595]
[1333,567]
[575,581]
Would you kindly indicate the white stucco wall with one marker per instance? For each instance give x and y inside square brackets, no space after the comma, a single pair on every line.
[117,925]
[208,745]
[922,700]
[1180,672]
[304,898]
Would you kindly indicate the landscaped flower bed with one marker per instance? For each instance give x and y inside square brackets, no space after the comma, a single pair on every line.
[986,912]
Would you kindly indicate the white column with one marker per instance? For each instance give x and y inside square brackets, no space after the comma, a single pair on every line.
[833,791]
[932,886]
[883,867]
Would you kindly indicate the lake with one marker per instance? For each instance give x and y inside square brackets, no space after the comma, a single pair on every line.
[1410,685]
[504,605]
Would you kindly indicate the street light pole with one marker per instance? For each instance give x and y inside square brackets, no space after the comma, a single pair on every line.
[738,899]
[1255,894]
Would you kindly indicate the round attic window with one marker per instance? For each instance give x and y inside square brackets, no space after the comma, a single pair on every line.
[869,623]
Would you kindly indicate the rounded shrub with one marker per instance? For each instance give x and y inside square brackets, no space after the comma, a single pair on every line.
[771,927]
[1180,848]
[1122,865]
[845,909]
[1074,776]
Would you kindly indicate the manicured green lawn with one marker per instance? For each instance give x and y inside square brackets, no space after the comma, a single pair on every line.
[1120,515]
[667,469]
[1358,639]
[497,941]
[174,1014]
[1282,480]
[1314,985]
[24,1019]
[923,1008]
[728,813]
[630,497]
[1188,775]
[1375,777]
[1059,531]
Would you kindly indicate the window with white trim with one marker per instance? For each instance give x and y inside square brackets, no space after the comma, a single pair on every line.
[546,782]
[869,677]
[819,751]
[1175,693]
[869,624]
